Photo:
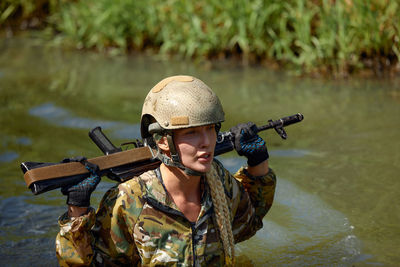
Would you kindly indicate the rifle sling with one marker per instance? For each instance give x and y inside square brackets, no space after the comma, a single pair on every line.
[76,168]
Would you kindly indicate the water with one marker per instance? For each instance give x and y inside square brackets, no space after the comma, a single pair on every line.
[337,200]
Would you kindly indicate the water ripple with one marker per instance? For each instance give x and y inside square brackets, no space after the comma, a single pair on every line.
[306,226]
[62,117]
[25,141]
[8,156]
[290,153]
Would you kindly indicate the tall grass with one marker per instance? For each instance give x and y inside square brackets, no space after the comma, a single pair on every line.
[338,36]
[25,13]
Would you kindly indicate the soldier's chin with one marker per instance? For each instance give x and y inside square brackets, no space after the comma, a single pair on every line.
[204,167]
[200,166]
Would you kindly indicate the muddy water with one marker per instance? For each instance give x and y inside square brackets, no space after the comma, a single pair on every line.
[337,200]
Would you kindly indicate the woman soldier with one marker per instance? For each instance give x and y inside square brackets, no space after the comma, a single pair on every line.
[188,212]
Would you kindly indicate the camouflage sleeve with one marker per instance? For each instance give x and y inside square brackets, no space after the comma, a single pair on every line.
[108,233]
[253,200]
[74,241]
[116,218]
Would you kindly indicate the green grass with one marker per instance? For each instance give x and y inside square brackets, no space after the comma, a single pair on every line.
[327,36]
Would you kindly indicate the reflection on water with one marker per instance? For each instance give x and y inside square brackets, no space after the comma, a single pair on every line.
[62,117]
[24,141]
[307,225]
[316,233]
[291,153]
[331,237]
[8,156]
[337,201]
[27,232]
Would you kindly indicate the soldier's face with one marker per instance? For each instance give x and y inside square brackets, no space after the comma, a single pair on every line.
[196,146]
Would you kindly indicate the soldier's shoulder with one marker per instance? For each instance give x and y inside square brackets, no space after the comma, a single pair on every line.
[137,185]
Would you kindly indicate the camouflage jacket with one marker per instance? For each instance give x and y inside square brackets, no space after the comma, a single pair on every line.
[137,223]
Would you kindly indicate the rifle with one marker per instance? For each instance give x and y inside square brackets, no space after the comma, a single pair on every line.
[119,165]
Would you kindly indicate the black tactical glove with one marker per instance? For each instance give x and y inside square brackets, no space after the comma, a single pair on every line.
[249,144]
[79,194]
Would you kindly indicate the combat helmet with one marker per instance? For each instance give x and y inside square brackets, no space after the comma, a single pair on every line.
[179,102]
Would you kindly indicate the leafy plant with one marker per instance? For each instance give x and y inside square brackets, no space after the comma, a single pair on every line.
[335,36]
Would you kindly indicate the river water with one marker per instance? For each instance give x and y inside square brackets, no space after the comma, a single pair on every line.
[337,201]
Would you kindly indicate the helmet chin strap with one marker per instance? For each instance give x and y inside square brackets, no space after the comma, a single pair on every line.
[175,160]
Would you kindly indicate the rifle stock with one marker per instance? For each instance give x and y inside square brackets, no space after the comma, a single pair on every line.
[120,165]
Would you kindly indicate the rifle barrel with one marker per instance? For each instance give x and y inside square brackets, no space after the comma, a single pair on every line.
[286,121]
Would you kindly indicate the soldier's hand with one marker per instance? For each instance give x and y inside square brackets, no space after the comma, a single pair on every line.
[249,144]
[79,194]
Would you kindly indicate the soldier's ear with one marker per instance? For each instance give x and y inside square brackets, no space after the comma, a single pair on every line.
[163,144]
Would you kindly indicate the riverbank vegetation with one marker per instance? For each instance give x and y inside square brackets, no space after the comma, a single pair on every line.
[319,36]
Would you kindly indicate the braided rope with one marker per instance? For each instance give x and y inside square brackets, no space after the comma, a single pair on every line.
[222,216]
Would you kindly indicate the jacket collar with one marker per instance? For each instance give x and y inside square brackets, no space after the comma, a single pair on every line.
[159,198]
